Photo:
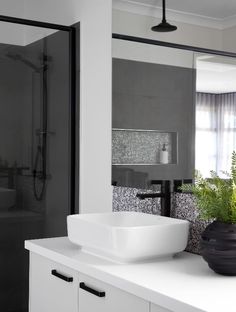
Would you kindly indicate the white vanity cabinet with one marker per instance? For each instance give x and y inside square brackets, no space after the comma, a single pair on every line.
[137,287]
[97,296]
[57,288]
[53,287]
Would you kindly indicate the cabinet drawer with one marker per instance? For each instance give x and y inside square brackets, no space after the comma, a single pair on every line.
[156,308]
[53,287]
[97,296]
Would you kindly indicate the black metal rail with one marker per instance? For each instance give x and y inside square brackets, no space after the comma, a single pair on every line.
[171,45]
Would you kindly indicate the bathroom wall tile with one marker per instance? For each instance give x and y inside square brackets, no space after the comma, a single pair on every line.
[184,207]
[124,199]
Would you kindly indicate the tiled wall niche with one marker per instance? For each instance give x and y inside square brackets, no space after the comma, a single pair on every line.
[183,207]
[142,147]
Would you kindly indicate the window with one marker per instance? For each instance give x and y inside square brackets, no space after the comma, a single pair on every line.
[215,132]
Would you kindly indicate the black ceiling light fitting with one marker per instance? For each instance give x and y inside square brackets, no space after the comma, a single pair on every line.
[164,26]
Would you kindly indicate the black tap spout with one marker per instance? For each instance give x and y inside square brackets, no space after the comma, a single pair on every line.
[150,195]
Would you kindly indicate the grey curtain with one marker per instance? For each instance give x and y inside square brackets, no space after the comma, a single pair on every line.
[215,131]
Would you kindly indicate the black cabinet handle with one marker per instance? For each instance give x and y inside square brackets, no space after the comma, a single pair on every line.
[92,291]
[61,276]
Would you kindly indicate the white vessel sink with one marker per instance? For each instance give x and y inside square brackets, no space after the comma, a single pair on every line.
[128,236]
[7,198]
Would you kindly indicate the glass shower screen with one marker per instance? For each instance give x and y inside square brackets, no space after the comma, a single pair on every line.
[35,138]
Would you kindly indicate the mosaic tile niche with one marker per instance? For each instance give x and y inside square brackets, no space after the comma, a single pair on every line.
[142,146]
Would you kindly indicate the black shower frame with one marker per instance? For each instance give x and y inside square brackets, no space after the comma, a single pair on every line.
[172,45]
[73,105]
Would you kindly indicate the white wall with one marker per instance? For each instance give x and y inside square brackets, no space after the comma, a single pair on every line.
[140,25]
[14,33]
[10,33]
[95,98]
[229,42]
[136,51]
[12,7]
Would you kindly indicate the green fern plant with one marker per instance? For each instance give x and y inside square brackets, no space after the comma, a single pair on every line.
[216,197]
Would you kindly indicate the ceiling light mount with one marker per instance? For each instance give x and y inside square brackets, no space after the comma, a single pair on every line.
[164,26]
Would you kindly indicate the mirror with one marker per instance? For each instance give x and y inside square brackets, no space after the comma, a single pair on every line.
[174,111]
[153,116]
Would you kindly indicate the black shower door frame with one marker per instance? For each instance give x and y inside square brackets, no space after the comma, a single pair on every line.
[72,82]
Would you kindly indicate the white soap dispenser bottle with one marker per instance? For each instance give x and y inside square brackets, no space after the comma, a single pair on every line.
[164,155]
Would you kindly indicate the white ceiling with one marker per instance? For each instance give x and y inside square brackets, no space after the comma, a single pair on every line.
[216,74]
[211,8]
[219,14]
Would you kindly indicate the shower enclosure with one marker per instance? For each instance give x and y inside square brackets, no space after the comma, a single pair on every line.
[37,144]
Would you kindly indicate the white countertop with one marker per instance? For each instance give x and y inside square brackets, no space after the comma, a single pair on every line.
[182,284]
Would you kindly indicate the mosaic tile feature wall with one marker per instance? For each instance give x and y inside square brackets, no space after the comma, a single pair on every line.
[124,199]
[141,147]
[183,207]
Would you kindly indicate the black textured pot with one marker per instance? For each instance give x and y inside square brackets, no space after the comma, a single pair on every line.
[218,247]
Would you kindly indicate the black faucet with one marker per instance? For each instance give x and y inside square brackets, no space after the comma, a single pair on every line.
[165,196]
[150,195]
